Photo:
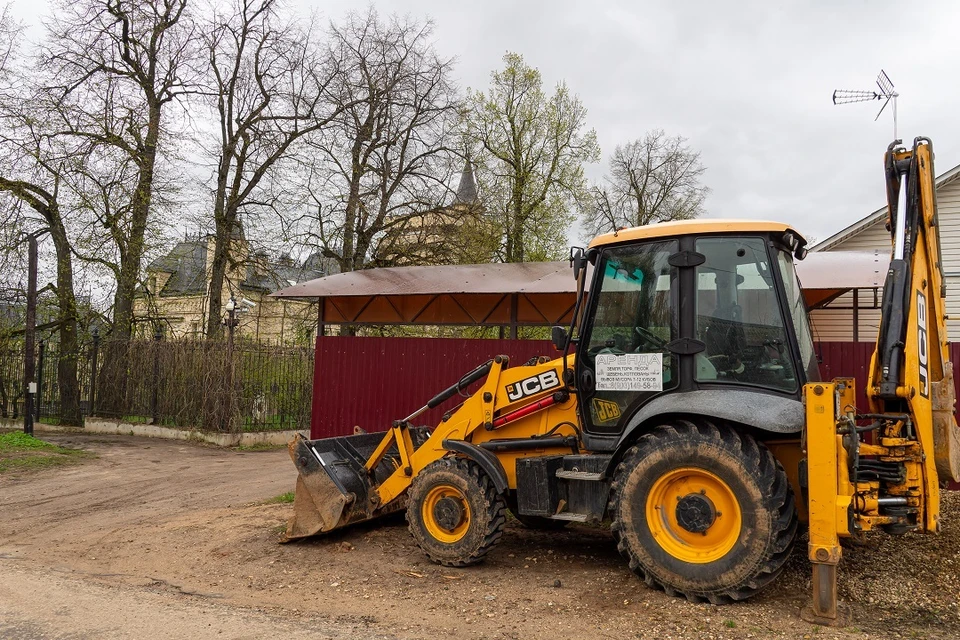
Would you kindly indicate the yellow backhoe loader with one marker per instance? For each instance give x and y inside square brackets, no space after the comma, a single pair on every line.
[687,409]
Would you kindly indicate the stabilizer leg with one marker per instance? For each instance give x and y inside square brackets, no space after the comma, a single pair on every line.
[824,610]
[827,505]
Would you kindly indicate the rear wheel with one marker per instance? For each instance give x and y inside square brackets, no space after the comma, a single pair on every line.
[703,512]
[454,512]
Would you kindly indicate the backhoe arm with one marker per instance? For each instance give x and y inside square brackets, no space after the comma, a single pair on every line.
[891,481]
[911,371]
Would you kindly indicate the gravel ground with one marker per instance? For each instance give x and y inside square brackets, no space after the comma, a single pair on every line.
[190,524]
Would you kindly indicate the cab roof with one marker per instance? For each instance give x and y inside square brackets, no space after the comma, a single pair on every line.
[690,227]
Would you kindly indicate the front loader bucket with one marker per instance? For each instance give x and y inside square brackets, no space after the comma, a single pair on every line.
[334,488]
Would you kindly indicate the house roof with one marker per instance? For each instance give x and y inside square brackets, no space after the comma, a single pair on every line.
[187,265]
[876,217]
[282,273]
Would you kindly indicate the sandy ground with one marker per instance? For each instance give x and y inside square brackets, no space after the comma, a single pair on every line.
[156,539]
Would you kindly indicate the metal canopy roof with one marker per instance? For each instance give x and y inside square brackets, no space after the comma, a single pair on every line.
[530,293]
[518,294]
[826,275]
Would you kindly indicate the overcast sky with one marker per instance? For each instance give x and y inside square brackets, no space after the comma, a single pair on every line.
[749,85]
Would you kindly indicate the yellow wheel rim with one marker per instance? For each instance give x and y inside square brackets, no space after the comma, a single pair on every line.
[693,515]
[446,513]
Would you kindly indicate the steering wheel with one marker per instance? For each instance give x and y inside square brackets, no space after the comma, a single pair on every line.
[650,337]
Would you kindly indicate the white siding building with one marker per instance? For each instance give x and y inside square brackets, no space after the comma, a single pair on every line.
[835,320]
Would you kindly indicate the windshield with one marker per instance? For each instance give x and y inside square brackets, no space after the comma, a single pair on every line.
[633,319]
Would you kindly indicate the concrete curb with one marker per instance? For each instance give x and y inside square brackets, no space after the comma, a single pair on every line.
[116,427]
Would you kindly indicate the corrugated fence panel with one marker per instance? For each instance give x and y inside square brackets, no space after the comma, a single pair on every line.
[847,360]
[852,360]
[369,382]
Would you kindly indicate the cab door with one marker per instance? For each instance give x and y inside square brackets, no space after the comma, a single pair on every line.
[622,356]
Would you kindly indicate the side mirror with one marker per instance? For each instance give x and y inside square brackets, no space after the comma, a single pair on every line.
[577,261]
[559,337]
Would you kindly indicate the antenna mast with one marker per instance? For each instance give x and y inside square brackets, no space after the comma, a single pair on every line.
[886,93]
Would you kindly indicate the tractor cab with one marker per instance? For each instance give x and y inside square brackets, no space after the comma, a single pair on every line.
[691,307]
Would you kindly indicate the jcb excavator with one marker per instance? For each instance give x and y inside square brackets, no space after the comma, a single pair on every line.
[687,409]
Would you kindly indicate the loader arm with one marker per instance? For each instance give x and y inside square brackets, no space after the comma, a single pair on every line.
[892,482]
[349,479]
[476,411]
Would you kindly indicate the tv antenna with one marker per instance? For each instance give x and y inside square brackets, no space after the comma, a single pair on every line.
[886,93]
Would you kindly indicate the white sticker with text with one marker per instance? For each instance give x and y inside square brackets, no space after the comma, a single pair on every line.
[630,372]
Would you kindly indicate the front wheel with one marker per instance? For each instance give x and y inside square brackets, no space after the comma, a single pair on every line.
[703,512]
[454,512]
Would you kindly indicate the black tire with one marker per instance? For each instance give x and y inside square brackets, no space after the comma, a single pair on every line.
[454,512]
[742,559]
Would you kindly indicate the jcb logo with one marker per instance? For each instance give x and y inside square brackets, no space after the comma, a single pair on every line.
[922,346]
[606,410]
[534,384]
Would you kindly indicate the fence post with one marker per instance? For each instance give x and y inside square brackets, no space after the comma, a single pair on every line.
[39,401]
[93,370]
[155,381]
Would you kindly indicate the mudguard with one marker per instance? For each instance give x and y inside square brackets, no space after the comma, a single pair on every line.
[766,412]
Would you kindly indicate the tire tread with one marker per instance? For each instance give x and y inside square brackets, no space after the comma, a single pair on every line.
[758,460]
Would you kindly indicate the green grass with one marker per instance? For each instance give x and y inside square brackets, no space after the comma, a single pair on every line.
[20,452]
[19,441]
[730,624]
[283,498]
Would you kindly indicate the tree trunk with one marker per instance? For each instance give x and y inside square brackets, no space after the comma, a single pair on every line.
[140,211]
[66,300]
[112,382]
[224,218]
[218,271]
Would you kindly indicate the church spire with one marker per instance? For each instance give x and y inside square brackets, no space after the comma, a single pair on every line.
[467,189]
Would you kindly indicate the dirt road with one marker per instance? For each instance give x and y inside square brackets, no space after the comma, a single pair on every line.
[179,534]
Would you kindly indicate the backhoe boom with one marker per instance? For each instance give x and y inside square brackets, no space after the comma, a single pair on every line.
[891,482]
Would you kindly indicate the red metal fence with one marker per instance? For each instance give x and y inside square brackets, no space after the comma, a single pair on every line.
[369,382]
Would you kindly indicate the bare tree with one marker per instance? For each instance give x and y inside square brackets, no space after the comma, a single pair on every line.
[270,88]
[36,170]
[532,148]
[653,179]
[118,65]
[382,167]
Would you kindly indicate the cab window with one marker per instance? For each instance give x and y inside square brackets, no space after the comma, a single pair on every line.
[739,318]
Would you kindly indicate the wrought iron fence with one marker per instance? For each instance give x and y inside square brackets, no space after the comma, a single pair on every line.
[212,386]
